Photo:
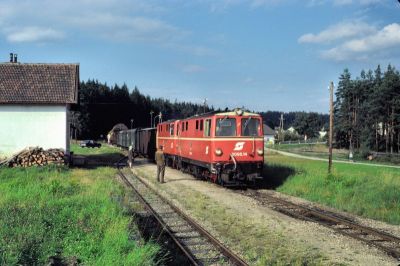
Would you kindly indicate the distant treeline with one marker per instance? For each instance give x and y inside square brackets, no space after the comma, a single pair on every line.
[367,111]
[101,107]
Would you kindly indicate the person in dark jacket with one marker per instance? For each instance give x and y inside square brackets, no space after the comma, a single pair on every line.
[130,156]
[160,160]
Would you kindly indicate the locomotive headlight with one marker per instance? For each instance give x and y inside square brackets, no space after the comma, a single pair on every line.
[260,152]
[218,152]
[239,111]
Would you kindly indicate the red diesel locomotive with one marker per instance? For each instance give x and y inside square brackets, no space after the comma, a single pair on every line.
[227,147]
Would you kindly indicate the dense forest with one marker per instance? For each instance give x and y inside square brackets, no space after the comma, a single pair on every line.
[367,111]
[101,107]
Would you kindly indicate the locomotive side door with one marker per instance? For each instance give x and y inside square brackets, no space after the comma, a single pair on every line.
[178,134]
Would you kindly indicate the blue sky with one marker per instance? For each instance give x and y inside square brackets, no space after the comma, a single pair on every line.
[261,54]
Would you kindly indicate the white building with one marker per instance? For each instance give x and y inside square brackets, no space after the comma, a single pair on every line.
[35,101]
[269,134]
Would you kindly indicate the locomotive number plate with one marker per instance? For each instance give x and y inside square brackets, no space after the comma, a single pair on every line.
[239,154]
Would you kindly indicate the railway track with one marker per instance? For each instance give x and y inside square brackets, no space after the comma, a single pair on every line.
[382,240]
[198,245]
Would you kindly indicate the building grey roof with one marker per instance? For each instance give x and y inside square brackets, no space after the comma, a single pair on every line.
[38,83]
[267,130]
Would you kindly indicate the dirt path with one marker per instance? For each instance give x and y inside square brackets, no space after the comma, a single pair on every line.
[261,235]
[325,160]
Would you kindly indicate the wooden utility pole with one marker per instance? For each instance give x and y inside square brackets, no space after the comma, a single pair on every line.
[281,134]
[330,126]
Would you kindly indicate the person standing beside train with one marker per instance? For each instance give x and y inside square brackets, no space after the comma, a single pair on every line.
[130,156]
[160,160]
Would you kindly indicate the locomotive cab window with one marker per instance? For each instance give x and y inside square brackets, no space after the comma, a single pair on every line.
[225,127]
[207,128]
[250,126]
[171,129]
[201,125]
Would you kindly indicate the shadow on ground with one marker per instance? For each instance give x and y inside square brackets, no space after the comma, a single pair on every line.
[150,231]
[274,176]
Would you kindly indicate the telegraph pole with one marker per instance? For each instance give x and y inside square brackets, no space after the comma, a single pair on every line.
[281,133]
[204,105]
[151,118]
[331,87]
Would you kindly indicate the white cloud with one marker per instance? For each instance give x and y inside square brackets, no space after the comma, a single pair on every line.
[248,80]
[123,28]
[340,3]
[222,5]
[337,32]
[263,3]
[34,34]
[383,41]
[126,21]
[360,2]
[193,68]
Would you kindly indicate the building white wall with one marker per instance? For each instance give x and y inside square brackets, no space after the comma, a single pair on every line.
[24,126]
[270,139]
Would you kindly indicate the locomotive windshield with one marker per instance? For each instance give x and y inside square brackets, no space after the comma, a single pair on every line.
[250,126]
[226,127]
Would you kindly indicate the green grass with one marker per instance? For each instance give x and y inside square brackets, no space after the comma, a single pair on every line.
[106,154]
[312,150]
[71,214]
[369,191]
[321,151]
[105,149]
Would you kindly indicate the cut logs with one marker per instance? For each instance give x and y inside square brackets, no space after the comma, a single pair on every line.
[35,157]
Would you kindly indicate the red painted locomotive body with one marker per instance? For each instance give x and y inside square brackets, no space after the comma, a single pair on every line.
[227,148]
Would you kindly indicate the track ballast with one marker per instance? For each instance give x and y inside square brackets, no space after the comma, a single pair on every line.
[382,240]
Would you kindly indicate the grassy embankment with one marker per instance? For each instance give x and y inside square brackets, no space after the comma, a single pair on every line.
[313,150]
[68,214]
[369,191]
[321,151]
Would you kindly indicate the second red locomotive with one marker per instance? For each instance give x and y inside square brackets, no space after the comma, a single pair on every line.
[225,147]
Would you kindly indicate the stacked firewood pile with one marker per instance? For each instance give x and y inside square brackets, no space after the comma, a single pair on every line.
[35,157]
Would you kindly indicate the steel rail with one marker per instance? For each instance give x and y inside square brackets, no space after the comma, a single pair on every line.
[232,257]
[165,227]
[329,220]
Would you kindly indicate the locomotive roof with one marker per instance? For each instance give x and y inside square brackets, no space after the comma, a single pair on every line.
[218,113]
[245,113]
